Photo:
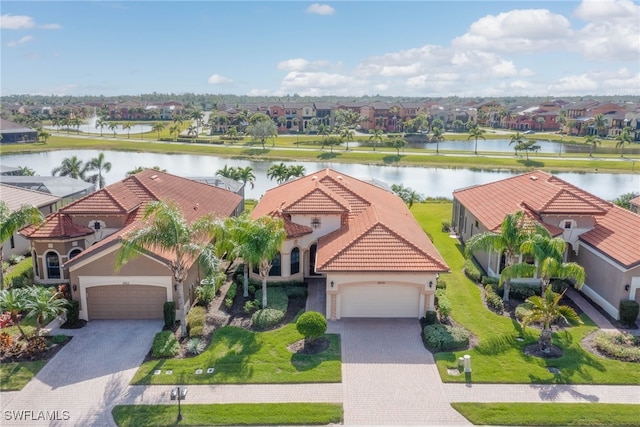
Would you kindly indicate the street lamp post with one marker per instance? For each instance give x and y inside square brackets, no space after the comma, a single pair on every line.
[179,394]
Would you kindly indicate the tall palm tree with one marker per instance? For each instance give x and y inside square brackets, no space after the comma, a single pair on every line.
[99,165]
[246,175]
[10,222]
[600,123]
[476,132]
[168,231]
[113,126]
[72,167]
[232,240]
[347,135]
[228,172]
[101,124]
[267,235]
[623,138]
[514,231]
[295,171]
[12,301]
[192,131]
[437,136]
[376,136]
[278,172]
[127,126]
[197,117]
[43,304]
[175,131]
[26,171]
[547,309]
[592,140]
[157,127]
[516,139]
[43,135]
[541,121]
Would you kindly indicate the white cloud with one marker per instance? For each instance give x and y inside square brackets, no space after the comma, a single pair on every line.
[400,70]
[217,79]
[20,41]
[606,10]
[22,22]
[527,72]
[321,9]
[321,83]
[259,92]
[573,85]
[301,64]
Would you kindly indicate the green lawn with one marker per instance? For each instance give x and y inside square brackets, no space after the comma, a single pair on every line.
[499,357]
[550,414]
[241,356]
[18,270]
[14,376]
[229,414]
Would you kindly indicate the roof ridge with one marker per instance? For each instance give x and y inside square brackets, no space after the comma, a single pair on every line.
[564,191]
[411,243]
[504,179]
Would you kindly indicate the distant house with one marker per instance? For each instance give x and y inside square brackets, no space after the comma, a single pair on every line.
[78,245]
[67,188]
[634,204]
[12,132]
[16,197]
[360,240]
[602,237]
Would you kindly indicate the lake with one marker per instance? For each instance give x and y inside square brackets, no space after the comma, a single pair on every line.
[429,181]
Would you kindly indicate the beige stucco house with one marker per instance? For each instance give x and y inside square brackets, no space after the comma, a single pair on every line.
[361,239]
[78,245]
[602,237]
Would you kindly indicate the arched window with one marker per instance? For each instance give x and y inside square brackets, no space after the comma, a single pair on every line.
[295,261]
[276,266]
[53,265]
[74,252]
[34,258]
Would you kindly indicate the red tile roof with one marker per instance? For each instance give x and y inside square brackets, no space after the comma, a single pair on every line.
[379,232]
[540,193]
[56,226]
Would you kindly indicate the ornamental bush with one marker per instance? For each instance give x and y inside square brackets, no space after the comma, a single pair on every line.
[523,310]
[231,294]
[625,347]
[196,319]
[440,337]
[169,314]
[73,312]
[494,302]
[312,325]
[165,344]
[195,346]
[430,318]
[267,318]
[472,271]
[629,312]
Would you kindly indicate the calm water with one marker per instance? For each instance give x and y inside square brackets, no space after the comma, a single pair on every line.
[433,182]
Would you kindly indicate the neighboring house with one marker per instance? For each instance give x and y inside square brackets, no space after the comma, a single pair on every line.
[602,237]
[15,132]
[78,245]
[361,239]
[10,170]
[634,204]
[224,183]
[67,188]
[16,197]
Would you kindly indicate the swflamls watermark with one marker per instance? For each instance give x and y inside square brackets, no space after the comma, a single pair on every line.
[30,415]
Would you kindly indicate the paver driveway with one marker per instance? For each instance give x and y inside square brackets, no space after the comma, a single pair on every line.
[389,377]
[87,376]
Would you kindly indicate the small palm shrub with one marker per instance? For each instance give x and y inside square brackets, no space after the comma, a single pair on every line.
[441,283]
[312,325]
[195,346]
[523,310]
[440,337]
[165,344]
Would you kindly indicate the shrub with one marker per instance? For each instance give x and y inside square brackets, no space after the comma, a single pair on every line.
[165,344]
[494,302]
[441,283]
[294,291]
[5,320]
[73,312]
[620,346]
[312,325]
[276,298]
[523,310]
[15,259]
[446,226]
[629,312]
[523,291]
[557,286]
[444,306]
[252,305]
[196,319]
[231,294]
[472,271]
[169,314]
[430,318]
[267,318]
[195,346]
[488,280]
[59,339]
[439,337]
[205,293]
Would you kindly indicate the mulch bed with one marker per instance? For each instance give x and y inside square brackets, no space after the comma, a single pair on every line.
[534,350]
[77,325]
[48,354]
[303,347]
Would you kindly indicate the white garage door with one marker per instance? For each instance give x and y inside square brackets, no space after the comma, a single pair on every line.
[126,302]
[374,300]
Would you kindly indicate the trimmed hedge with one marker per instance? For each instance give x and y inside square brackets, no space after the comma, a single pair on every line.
[73,312]
[196,318]
[494,302]
[472,271]
[620,346]
[629,312]
[165,344]
[440,337]
[520,291]
[231,294]
[273,315]
[169,314]
[312,325]
[430,318]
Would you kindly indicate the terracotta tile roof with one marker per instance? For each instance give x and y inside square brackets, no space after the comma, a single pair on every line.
[616,233]
[56,226]
[379,232]
[112,200]
[291,228]
[635,201]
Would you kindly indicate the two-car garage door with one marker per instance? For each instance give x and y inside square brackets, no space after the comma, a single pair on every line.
[126,302]
[380,300]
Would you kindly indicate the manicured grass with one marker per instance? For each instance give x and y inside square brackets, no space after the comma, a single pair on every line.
[549,414]
[499,357]
[14,376]
[18,270]
[241,356]
[229,414]
[287,151]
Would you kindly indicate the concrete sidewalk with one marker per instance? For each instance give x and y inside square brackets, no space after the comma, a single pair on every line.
[598,318]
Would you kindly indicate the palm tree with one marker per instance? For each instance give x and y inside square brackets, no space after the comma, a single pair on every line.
[12,301]
[72,167]
[100,124]
[278,172]
[197,117]
[246,175]
[562,119]
[376,136]
[192,131]
[10,222]
[513,233]
[112,127]
[600,123]
[232,241]
[99,165]
[26,171]
[516,139]
[43,304]
[228,172]
[475,132]
[547,309]
[541,122]
[437,136]
[295,171]
[139,169]
[127,126]
[157,127]
[623,138]
[175,131]
[592,140]
[347,135]
[168,231]
[43,135]
[266,237]
[232,132]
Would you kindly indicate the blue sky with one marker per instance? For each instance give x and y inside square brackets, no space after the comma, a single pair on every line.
[352,48]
